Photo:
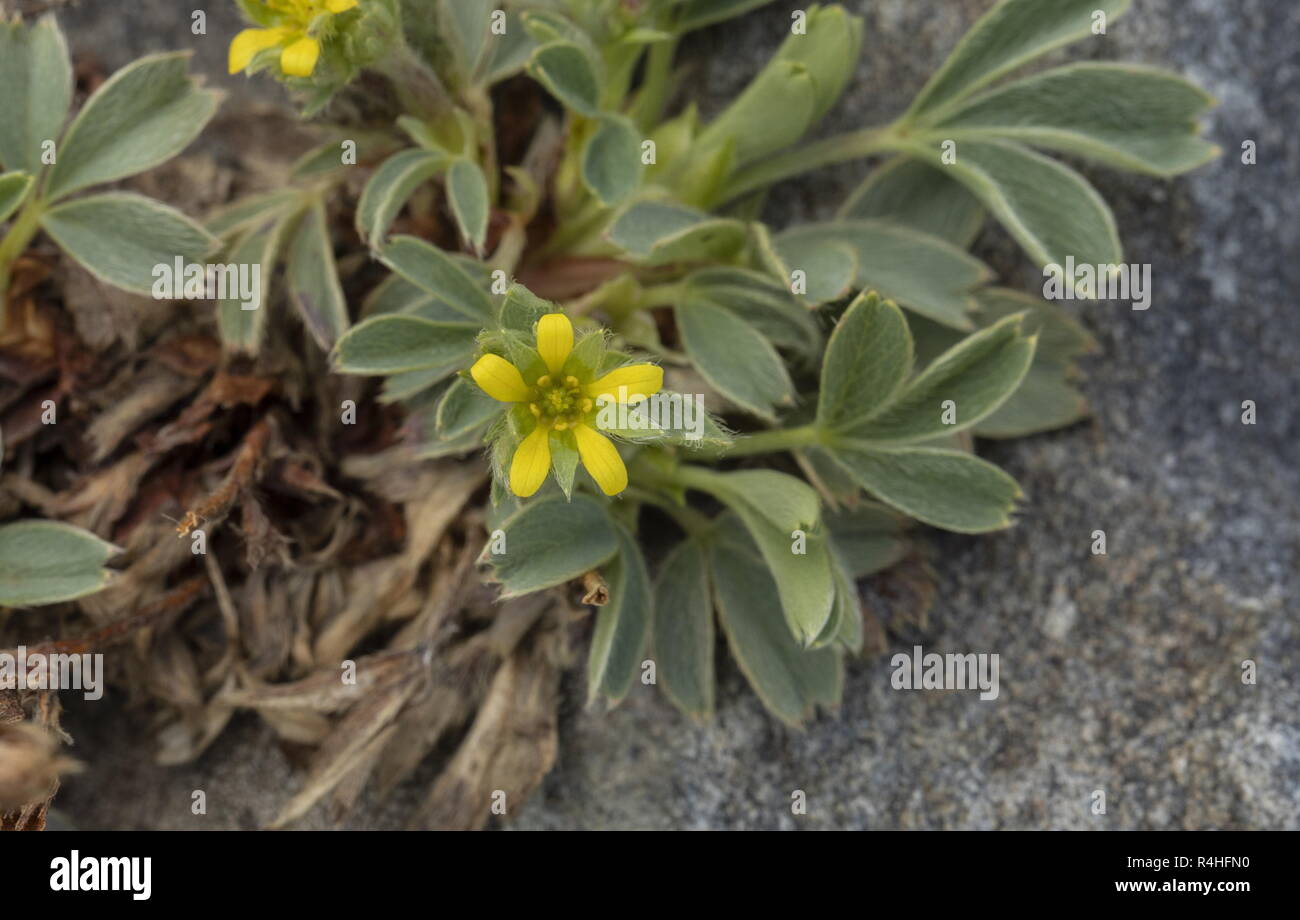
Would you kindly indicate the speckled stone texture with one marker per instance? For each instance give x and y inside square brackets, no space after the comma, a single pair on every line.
[1119,673]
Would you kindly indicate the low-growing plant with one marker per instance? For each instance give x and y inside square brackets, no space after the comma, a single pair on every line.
[585,290]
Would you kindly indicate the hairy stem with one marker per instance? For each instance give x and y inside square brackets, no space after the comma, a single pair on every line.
[838,149]
[768,442]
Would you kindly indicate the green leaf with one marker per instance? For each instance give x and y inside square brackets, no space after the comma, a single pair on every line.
[551,541]
[683,639]
[44,562]
[790,680]
[977,375]
[432,270]
[772,113]
[14,187]
[424,383]
[945,488]
[509,52]
[35,90]
[829,48]
[467,191]
[1007,36]
[773,507]
[657,233]
[464,408]
[467,23]
[120,237]
[393,343]
[313,279]
[696,14]
[867,537]
[145,114]
[847,618]
[611,161]
[920,272]
[242,330]
[1132,117]
[765,304]
[397,295]
[252,211]
[390,187]
[868,359]
[568,74]
[920,196]
[622,625]
[644,223]
[1047,398]
[828,271]
[1049,208]
[734,358]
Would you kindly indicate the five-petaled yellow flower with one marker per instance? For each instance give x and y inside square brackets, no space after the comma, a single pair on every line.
[560,403]
[294,18]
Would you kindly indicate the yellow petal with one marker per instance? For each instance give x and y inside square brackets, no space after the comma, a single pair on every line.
[247,43]
[531,463]
[640,381]
[499,379]
[339,6]
[554,340]
[600,457]
[299,59]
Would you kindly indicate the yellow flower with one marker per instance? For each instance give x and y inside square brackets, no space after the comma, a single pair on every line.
[291,33]
[560,403]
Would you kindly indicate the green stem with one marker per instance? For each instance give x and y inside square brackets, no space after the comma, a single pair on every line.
[15,242]
[842,147]
[419,91]
[577,229]
[768,442]
[653,95]
[694,523]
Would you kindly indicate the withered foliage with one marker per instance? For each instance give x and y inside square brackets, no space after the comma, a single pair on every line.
[331,551]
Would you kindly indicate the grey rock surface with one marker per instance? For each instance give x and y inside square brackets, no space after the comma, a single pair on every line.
[1119,673]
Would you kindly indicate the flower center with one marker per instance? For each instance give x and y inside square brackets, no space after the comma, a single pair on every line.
[558,404]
